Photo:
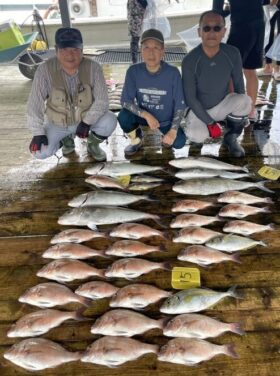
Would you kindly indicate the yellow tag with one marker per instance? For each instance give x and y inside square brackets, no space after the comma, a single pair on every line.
[269,173]
[183,278]
[124,180]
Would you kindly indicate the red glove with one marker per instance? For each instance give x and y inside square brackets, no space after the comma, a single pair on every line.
[215,130]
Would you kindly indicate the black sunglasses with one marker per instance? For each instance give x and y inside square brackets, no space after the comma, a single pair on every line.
[216,28]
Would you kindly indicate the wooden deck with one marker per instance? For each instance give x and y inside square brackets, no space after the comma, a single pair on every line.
[33,194]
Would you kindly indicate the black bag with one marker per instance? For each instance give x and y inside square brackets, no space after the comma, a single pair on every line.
[143,3]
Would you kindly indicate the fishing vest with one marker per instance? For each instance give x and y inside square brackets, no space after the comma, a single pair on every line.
[63,109]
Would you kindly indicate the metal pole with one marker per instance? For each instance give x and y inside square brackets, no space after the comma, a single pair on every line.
[64,11]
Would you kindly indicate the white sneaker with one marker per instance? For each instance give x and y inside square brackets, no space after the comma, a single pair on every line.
[262,72]
[276,76]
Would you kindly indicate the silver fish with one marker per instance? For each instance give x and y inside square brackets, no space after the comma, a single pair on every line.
[205,162]
[236,197]
[210,186]
[72,251]
[123,322]
[130,268]
[51,294]
[101,181]
[194,300]
[40,322]
[191,351]
[68,270]
[35,354]
[195,235]
[96,290]
[76,235]
[138,296]
[201,173]
[120,169]
[233,243]
[190,206]
[106,198]
[92,216]
[205,256]
[114,351]
[194,325]
[185,220]
[134,231]
[246,228]
[241,210]
[131,248]
[145,179]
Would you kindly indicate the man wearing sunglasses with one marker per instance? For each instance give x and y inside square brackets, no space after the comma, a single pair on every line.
[247,34]
[209,71]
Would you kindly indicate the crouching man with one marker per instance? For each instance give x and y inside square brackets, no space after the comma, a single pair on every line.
[69,97]
[214,88]
[152,96]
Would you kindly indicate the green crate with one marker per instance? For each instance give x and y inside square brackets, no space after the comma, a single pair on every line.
[10,35]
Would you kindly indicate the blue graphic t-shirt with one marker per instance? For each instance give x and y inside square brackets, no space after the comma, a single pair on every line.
[161,93]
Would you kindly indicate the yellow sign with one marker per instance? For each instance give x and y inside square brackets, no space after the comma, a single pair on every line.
[269,173]
[124,180]
[183,278]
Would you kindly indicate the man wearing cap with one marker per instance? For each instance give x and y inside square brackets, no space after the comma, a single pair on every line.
[152,96]
[209,71]
[69,97]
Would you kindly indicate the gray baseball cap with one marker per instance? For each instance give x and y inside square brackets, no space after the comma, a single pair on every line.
[152,34]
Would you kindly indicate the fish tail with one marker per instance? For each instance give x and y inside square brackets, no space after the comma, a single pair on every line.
[156,218]
[236,328]
[268,200]
[230,350]
[163,322]
[101,272]
[266,209]
[162,248]
[78,315]
[271,226]
[245,168]
[236,258]
[154,349]
[261,185]
[166,265]
[263,244]
[232,292]
[85,301]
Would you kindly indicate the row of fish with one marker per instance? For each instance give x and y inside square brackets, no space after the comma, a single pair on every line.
[36,354]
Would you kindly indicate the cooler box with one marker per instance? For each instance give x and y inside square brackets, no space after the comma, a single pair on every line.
[10,35]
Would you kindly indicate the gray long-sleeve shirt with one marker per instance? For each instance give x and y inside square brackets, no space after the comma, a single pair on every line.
[42,87]
[206,80]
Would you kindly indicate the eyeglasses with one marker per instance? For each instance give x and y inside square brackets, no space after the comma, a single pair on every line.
[216,28]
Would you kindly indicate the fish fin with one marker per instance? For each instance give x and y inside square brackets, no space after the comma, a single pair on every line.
[232,292]
[162,248]
[158,222]
[236,328]
[230,350]
[245,168]
[236,258]
[271,226]
[166,265]
[78,315]
[266,210]
[85,301]
[163,321]
[92,226]
[261,185]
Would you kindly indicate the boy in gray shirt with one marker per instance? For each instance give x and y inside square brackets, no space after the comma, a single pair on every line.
[214,87]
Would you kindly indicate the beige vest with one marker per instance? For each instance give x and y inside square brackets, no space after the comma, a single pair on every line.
[61,108]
